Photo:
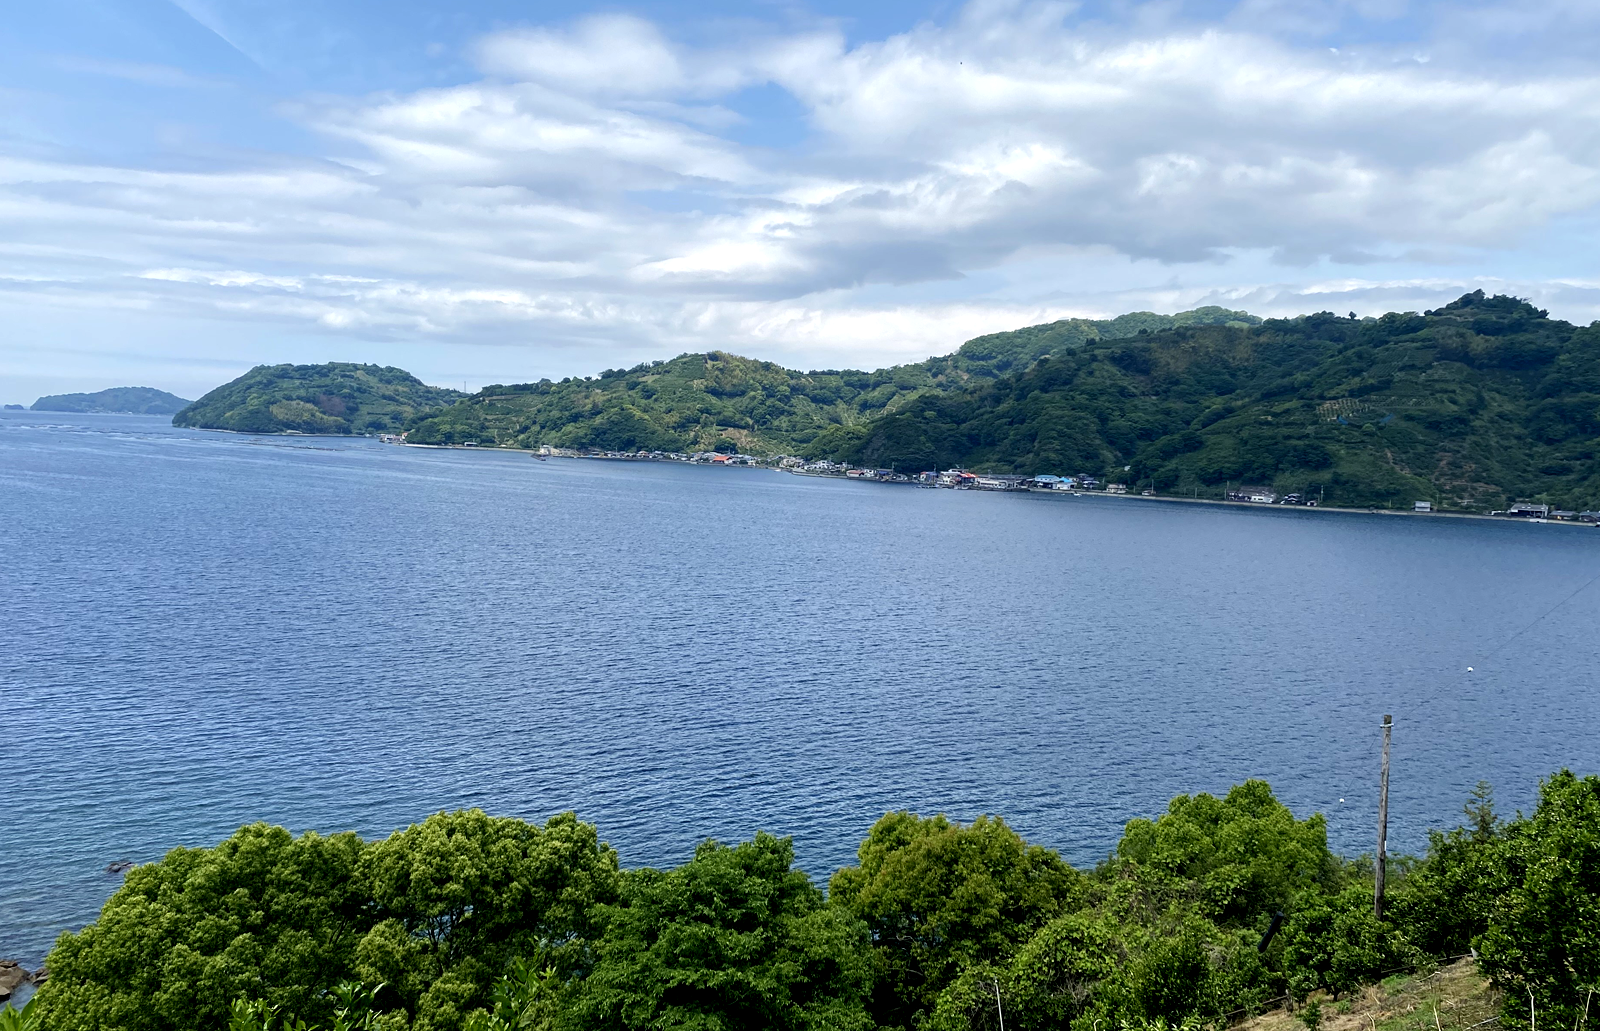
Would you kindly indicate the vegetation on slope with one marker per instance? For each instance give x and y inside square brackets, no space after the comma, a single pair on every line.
[123,400]
[336,398]
[1219,908]
[720,401]
[1483,401]
[1455,997]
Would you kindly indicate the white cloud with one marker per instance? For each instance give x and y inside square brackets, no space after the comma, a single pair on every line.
[592,190]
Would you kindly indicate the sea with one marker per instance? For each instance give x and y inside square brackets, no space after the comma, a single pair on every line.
[200,630]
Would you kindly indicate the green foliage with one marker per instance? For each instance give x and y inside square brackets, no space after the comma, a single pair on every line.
[263,915]
[735,938]
[132,400]
[1543,931]
[1335,943]
[458,896]
[1311,1015]
[434,913]
[28,1018]
[354,1009]
[1444,905]
[719,401]
[336,398]
[939,896]
[1471,406]
[524,999]
[470,922]
[1237,859]
[696,402]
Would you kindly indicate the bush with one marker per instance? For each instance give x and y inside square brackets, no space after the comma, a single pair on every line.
[1543,931]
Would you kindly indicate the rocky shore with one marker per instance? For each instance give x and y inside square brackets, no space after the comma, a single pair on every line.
[14,975]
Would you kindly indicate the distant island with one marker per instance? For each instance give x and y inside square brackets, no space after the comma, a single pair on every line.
[119,400]
[1481,403]
[335,398]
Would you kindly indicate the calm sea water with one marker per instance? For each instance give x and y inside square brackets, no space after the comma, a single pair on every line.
[199,630]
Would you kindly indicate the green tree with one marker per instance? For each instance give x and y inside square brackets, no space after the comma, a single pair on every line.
[1444,904]
[735,938]
[460,895]
[1240,858]
[939,896]
[263,915]
[1543,930]
[1335,943]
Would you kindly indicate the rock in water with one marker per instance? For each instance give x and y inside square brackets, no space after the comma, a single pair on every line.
[120,866]
[12,976]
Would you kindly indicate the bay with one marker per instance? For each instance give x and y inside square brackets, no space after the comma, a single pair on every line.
[200,630]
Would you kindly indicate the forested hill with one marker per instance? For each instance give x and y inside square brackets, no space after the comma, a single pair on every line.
[128,400]
[1478,403]
[336,398]
[718,400]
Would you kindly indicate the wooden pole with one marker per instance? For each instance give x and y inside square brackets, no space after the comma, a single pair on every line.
[1383,823]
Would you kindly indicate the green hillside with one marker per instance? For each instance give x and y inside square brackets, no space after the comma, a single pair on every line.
[707,401]
[129,400]
[1481,402]
[694,401]
[336,398]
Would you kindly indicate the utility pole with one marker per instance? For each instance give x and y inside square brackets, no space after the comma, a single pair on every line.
[997,1008]
[1383,822]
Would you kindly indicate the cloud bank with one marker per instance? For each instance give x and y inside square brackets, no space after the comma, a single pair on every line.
[602,192]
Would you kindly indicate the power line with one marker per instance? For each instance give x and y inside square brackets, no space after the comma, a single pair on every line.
[1453,681]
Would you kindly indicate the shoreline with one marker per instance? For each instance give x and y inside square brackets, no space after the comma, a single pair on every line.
[1167,498]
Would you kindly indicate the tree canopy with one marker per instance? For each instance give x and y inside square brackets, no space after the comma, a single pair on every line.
[1215,908]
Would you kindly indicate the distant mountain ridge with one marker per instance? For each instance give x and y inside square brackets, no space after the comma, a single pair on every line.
[1471,406]
[121,400]
[1479,403]
[333,398]
[721,401]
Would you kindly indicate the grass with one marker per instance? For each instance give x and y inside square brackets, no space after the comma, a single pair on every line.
[1453,998]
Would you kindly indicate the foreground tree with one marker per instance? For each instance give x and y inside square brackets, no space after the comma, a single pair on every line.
[734,939]
[264,914]
[939,897]
[1543,935]
[433,914]
[462,894]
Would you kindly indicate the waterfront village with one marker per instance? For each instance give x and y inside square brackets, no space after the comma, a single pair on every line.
[961,479]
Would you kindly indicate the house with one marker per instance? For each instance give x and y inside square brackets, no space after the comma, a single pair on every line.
[1044,482]
[1589,517]
[1422,506]
[1528,510]
[1116,488]
[1562,515]
[1088,483]
[1001,483]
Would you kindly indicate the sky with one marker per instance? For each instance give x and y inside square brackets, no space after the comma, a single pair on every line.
[486,191]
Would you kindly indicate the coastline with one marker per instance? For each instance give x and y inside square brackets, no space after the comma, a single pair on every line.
[1164,498]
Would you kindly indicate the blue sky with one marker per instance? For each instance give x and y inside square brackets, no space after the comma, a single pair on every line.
[489,191]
